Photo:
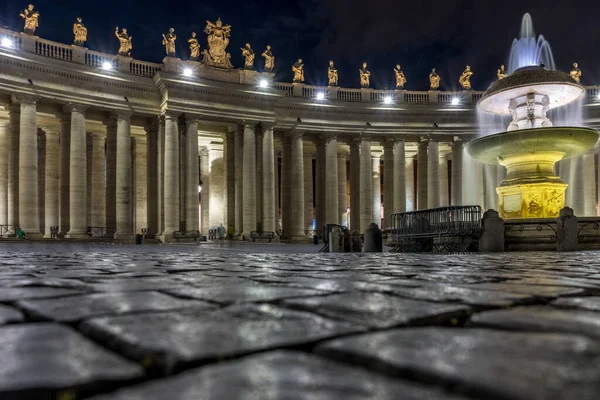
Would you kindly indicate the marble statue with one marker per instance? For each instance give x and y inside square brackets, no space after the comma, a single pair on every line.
[502,73]
[400,78]
[169,42]
[434,80]
[365,76]
[269,59]
[332,75]
[465,78]
[248,54]
[124,42]
[298,69]
[31,17]
[194,47]
[218,39]
[576,73]
[80,32]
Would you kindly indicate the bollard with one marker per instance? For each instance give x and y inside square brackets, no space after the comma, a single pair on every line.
[566,230]
[335,240]
[347,241]
[492,237]
[356,242]
[373,239]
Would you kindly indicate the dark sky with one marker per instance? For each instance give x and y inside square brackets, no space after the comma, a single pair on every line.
[445,34]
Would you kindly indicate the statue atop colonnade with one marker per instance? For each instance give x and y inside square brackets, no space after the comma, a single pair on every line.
[218,40]
[31,17]
[125,45]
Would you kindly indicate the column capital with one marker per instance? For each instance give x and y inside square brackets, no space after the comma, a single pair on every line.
[267,125]
[123,114]
[294,133]
[27,98]
[191,118]
[329,136]
[111,121]
[388,143]
[50,131]
[70,107]
[168,114]
[12,107]
[98,136]
[248,124]
[63,116]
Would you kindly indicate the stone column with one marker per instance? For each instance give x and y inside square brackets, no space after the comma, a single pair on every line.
[490,175]
[320,171]
[52,181]
[192,218]
[433,175]
[388,181]
[4,173]
[399,177]
[308,190]
[443,176]
[376,182]
[355,184]
[229,179]
[342,193]
[576,185]
[78,173]
[422,174]
[249,178]
[331,180]
[216,195]
[366,185]
[268,179]
[589,184]
[111,172]
[123,178]
[14,112]
[161,177]
[206,191]
[259,173]
[171,177]
[28,168]
[152,168]
[410,183]
[286,160]
[41,180]
[239,155]
[97,183]
[141,183]
[277,192]
[457,176]
[297,186]
[89,142]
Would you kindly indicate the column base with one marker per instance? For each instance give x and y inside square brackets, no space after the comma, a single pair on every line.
[166,238]
[34,235]
[297,239]
[125,237]
[77,235]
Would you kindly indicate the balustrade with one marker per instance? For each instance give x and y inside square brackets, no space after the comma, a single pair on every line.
[50,49]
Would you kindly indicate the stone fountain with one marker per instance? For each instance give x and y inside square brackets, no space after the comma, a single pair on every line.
[532,145]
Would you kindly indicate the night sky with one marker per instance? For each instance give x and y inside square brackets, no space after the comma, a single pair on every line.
[445,34]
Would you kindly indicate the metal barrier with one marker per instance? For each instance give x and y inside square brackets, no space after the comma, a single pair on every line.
[7,231]
[444,229]
[54,232]
[101,231]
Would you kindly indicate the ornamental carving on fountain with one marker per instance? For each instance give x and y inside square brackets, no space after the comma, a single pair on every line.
[218,40]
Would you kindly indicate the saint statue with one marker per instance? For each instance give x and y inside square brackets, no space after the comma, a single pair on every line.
[124,42]
[502,73]
[80,32]
[365,76]
[400,78]
[194,47]
[218,39]
[269,59]
[169,42]
[465,78]
[576,73]
[31,17]
[298,69]
[332,74]
[434,80]
[248,54]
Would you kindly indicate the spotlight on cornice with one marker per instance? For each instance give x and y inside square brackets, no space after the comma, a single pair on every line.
[7,42]
[455,101]
[388,100]
[320,96]
[263,83]
[107,66]
[187,72]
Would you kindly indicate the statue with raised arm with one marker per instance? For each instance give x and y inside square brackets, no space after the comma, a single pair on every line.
[298,69]
[269,59]
[169,42]
[332,74]
[31,17]
[465,78]
[218,40]
[124,42]
[434,80]
[248,54]
[194,47]
[576,73]
[400,78]
[80,32]
[365,76]
[502,72]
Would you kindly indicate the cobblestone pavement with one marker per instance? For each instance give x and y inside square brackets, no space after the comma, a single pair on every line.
[209,322]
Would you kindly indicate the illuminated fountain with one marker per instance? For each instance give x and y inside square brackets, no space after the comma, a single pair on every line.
[532,145]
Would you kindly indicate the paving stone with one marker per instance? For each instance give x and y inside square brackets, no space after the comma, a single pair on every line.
[482,362]
[14,294]
[591,303]
[133,284]
[541,318]
[242,293]
[9,314]
[546,292]
[379,310]
[75,308]
[280,375]
[46,358]
[168,340]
